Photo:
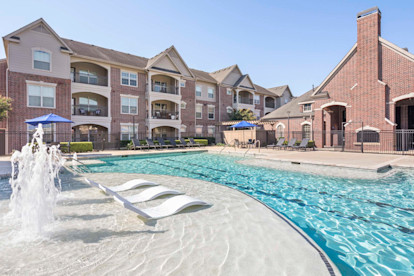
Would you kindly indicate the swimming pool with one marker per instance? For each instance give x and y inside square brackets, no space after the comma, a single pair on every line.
[365,226]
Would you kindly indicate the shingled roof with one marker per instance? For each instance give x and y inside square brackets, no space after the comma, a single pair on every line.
[264,91]
[292,106]
[104,54]
[278,90]
[203,76]
[221,74]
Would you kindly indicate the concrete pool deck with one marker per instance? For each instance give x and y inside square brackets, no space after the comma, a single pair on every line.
[237,235]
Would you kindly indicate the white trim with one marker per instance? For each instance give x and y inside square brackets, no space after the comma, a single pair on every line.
[306,123]
[200,112]
[34,49]
[383,83]
[337,67]
[281,124]
[306,111]
[355,85]
[403,97]
[396,49]
[307,102]
[35,83]
[334,103]
[130,97]
[181,128]
[214,113]
[41,83]
[201,90]
[389,121]
[368,128]
[129,78]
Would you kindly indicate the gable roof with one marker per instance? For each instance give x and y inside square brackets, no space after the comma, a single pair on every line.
[203,76]
[220,75]
[293,107]
[278,90]
[396,48]
[264,91]
[12,36]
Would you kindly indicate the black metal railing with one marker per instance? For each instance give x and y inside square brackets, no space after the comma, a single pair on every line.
[89,79]
[90,110]
[270,105]
[245,100]
[170,115]
[170,89]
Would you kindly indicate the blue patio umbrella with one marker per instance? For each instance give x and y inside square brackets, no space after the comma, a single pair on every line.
[243,124]
[47,119]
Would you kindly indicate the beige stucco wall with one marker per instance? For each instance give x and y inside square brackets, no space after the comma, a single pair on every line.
[204,91]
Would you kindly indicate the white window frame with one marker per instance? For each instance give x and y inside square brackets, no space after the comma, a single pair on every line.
[214,112]
[50,60]
[201,90]
[212,94]
[228,91]
[213,128]
[229,109]
[41,84]
[129,78]
[183,105]
[129,133]
[305,110]
[199,127]
[283,130]
[256,99]
[129,97]
[201,113]
[182,83]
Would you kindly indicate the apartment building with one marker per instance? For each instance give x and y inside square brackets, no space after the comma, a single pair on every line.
[368,97]
[113,95]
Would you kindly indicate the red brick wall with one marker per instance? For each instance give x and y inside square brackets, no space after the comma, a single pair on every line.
[3,69]
[117,90]
[260,106]
[188,114]
[225,101]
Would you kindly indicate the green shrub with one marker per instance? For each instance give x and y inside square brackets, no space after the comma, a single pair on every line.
[124,143]
[76,146]
[220,144]
[200,141]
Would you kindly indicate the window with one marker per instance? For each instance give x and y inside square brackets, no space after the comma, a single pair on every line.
[87,101]
[256,99]
[41,60]
[183,105]
[279,131]
[211,130]
[199,111]
[129,105]
[210,93]
[211,112]
[307,107]
[88,77]
[48,130]
[234,97]
[369,136]
[182,84]
[306,131]
[183,128]
[198,91]
[127,131]
[229,109]
[199,130]
[228,91]
[130,79]
[41,96]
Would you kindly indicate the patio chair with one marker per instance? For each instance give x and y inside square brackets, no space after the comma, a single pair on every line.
[290,144]
[194,143]
[182,140]
[163,144]
[236,143]
[303,144]
[137,144]
[174,144]
[98,112]
[278,145]
[151,144]
[251,142]
[82,111]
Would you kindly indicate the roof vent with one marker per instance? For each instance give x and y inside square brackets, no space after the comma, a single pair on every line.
[406,49]
[368,12]
[15,37]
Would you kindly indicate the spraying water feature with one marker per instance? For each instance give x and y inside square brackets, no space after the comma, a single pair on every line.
[34,190]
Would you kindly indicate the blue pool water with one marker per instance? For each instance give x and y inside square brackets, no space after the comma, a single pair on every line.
[365,226]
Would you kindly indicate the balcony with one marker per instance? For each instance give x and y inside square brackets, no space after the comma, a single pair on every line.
[169,89]
[269,105]
[90,110]
[245,100]
[168,115]
[88,78]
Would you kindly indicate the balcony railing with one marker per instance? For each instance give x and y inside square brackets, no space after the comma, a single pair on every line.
[245,101]
[170,89]
[89,79]
[269,105]
[90,110]
[169,115]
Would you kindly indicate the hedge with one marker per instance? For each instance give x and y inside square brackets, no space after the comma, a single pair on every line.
[76,146]
[211,140]
[203,142]
[311,143]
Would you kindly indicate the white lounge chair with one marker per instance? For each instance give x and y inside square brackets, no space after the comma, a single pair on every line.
[132,184]
[152,193]
[167,208]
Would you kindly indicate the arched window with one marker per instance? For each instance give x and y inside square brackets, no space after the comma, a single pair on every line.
[280,131]
[306,131]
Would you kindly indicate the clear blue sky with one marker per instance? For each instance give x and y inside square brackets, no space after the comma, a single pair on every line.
[275,42]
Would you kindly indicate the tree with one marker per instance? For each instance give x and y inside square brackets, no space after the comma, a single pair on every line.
[5,107]
[242,114]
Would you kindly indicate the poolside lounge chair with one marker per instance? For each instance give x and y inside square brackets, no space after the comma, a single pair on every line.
[151,144]
[182,140]
[194,143]
[152,193]
[303,144]
[290,144]
[137,145]
[163,144]
[129,185]
[172,142]
[278,145]
[169,207]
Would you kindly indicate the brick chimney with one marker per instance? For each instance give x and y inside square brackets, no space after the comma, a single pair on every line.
[368,31]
